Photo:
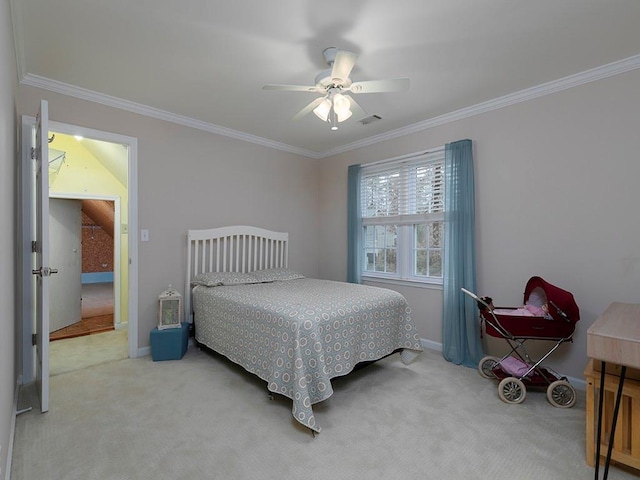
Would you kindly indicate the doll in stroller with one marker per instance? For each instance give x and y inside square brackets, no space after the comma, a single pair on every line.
[549,314]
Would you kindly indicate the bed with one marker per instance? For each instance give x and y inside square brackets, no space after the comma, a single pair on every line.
[293,332]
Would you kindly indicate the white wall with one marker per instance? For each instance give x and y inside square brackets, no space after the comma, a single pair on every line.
[557,195]
[189,178]
[9,230]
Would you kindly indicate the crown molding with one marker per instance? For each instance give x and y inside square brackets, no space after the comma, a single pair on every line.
[110,101]
[592,75]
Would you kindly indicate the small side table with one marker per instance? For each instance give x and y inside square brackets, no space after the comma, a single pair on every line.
[626,444]
[615,338]
[169,343]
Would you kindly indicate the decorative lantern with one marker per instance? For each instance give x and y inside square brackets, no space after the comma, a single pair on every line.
[169,309]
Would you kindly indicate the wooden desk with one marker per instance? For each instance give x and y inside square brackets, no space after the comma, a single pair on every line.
[615,338]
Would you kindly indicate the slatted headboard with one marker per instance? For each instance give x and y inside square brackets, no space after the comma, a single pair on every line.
[233,249]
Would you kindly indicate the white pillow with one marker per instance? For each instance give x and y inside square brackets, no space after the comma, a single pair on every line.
[275,274]
[215,279]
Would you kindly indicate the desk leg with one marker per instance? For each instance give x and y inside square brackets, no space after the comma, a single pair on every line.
[623,372]
[599,430]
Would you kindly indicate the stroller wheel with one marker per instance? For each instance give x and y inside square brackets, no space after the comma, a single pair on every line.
[512,390]
[486,365]
[561,394]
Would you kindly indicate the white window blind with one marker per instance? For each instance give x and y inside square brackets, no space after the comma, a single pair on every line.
[404,192]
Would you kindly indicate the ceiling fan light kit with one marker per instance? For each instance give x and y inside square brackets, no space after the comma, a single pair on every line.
[336,102]
[334,106]
[322,111]
[342,106]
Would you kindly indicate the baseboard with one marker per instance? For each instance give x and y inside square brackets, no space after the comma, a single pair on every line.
[12,429]
[143,352]
[431,345]
[578,383]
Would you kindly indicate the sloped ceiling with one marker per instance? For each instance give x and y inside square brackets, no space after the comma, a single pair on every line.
[112,156]
[101,212]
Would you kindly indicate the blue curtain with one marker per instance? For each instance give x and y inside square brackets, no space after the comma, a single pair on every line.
[354,226]
[461,343]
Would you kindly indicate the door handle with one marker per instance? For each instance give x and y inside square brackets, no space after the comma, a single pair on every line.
[45,271]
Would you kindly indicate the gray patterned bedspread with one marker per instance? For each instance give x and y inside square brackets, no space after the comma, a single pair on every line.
[299,334]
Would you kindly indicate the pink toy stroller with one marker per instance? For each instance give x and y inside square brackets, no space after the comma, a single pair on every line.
[550,314]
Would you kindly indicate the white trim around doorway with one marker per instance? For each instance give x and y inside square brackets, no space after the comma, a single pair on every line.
[28,124]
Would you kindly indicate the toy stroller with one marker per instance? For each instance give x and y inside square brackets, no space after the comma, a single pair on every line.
[550,314]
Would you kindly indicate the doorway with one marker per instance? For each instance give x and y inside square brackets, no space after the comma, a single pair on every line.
[92,177]
[86,181]
[83,238]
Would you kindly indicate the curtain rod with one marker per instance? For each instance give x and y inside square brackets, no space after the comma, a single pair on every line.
[403,157]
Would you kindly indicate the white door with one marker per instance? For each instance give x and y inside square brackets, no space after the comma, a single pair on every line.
[65,252]
[42,269]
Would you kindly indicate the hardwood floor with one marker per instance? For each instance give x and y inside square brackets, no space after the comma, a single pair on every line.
[87,326]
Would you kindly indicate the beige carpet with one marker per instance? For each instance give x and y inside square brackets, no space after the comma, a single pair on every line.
[69,354]
[203,418]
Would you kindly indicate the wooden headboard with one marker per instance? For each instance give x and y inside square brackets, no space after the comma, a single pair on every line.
[233,249]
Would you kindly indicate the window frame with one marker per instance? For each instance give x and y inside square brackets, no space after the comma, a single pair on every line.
[406,246]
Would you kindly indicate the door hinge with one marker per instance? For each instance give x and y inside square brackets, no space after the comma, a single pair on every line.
[34,246]
[34,339]
[33,153]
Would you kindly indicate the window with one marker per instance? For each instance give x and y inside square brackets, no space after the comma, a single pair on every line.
[402,204]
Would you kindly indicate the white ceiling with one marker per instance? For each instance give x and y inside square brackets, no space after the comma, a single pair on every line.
[204,62]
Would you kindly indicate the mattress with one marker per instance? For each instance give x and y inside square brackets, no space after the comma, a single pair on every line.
[298,334]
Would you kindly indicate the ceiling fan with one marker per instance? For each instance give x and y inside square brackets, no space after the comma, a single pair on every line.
[335,105]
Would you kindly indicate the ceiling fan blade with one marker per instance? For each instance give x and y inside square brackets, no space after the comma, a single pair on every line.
[342,65]
[308,109]
[357,111]
[379,86]
[293,88]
